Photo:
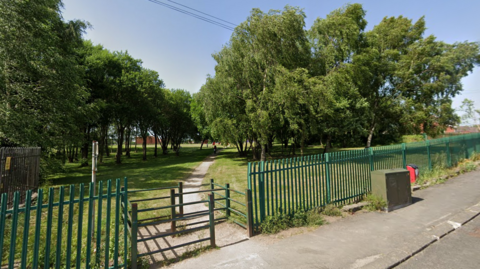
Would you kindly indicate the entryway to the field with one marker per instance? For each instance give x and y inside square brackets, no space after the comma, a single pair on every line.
[180,220]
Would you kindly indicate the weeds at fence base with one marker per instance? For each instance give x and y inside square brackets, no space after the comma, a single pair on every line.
[376,203]
[332,211]
[439,175]
[277,223]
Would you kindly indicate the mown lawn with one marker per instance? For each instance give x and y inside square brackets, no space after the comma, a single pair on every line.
[162,171]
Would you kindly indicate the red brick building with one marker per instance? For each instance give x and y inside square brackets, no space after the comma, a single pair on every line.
[150,140]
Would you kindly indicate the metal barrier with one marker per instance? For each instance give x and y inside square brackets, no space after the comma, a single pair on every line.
[59,241]
[135,223]
[247,206]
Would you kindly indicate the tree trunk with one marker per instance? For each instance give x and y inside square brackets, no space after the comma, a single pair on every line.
[156,140]
[328,144]
[302,147]
[370,135]
[127,142]
[118,156]
[254,151]
[107,150]
[201,145]
[144,144]
[263,156]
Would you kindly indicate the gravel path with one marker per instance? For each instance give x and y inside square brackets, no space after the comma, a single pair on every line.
[226,233]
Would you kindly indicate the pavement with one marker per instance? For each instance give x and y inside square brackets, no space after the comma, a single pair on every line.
[402,238]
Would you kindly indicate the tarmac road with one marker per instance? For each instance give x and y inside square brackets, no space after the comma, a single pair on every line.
[369,240]
[459,249]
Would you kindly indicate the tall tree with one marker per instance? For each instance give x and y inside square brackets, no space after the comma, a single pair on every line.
[40,80]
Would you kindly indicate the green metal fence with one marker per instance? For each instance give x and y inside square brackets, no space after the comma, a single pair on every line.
[50,231]
[287,185]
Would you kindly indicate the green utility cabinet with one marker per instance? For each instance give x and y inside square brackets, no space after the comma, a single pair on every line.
[393,185]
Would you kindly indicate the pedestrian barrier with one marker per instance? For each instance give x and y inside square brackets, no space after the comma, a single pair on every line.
[287,185]
[245,219]
[50,232]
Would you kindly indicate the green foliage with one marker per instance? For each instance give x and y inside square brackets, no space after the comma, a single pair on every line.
[277,223]
[412,138]
[375,203]
[335,81]
[332,210]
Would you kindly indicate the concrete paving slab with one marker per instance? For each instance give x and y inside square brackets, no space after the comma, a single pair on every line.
[370,240]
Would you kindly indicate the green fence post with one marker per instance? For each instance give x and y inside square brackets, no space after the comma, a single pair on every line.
[26,229]
[90,227]
[211,218]
[13,235]
[38,224]
[227,200]
[117,222]
[449,156]
[125,221]
[58,259]
[99,222]
[261,190]
[429,155]
[49,227]
[107,224]
[465,146]
[133,241]
[2,221]
[404,155]
[370,152]
[71,202]
[327,176]
[212,187]
[173,224]
[249,176]
[248,203]
[80,226]
[180,197]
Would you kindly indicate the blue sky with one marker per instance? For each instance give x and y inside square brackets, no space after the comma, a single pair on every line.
[179,47]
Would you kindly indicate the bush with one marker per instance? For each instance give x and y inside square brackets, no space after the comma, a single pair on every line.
[331,210]
[277,223]
[376,203]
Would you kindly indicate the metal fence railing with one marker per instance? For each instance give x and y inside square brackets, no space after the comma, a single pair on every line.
[287,185]
[57,229]
[19,171]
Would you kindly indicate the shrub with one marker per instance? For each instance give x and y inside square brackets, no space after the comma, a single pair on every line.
[274,224]
[331,210]
[376,203]
[277,223]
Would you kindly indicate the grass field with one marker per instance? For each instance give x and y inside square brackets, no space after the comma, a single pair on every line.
[163,171]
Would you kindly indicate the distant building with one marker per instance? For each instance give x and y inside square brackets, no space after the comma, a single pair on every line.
[462,130]
[150,140]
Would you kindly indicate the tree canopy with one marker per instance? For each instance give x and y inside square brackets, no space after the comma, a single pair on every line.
[336,81]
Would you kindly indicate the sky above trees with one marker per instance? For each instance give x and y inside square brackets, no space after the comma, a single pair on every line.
[179,47]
